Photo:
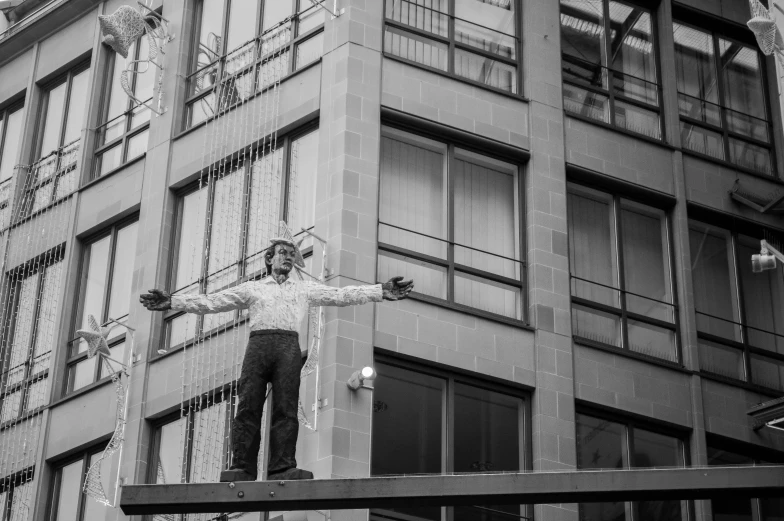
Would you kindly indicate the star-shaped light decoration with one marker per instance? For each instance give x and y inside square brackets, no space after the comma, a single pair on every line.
[95,338]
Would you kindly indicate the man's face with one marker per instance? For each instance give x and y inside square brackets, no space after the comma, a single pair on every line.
[283,260]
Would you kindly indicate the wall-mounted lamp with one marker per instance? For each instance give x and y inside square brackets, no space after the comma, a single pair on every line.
[358,379]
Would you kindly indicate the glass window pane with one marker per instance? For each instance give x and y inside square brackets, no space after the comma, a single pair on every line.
[753,157]
[413,195]
[714,285]
[10,151]
[95,285]
[124,257]
[210,33]
[633,50]
[311,16]
[487,439]
[652,449]
[427,15]
[117,352]
[767,371]
[92,508]
[55,106]
[37,394]
[484,70]
[586,103]
[83,373]
[69,493]
[599,446]
[264,200]
[21,498]
[243,17]
[169,465]
[652,340]
[772,509]
[702,140]
[407,427]
[12,403]
[274,12]
[144,81]
[137,145]
[43,197]
[23,326]
[637,119]
[582,31]
[181,329]
[646,263]
[416,48]
[763,299]
[310,50]
[430,279]
[4,505]
[700,110]
[209,437]
[596,325]
[742,78]
[592,246]
[747,125]
[109,160]
[695,63]
[485,216]
[731,509]
[225,229]
[487,25]
[191,238]
[302,184]
[118,99]
[722,360]
[76,107]
[488,295]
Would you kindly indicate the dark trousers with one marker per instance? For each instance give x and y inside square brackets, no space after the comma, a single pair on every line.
[272,356]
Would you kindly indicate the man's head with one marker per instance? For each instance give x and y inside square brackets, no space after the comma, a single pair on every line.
[280,258]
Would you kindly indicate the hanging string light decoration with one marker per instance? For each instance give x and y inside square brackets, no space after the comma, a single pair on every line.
[122,29]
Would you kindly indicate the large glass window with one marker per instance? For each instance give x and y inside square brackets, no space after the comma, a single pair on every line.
[69,502]
[10,134]
[123,135]
[449,219]
[609,64]
[604,443]
[231,63]
[107,272]
[54,174]
[722,99]
[32,333]
[16,496]
[475,40]
[740,314]
[620,262]
[722,453]
[414,409]
[232,215]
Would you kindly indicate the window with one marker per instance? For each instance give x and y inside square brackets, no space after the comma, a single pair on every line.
[16,496]
[123,135]
[607,443]
[32,333]
[53,175]
[232,68]
[429,422]
[233,214]
[730,509]
[721,99]
[740,314]
[10,131]
[609,64]
[107,271]
[449,219]
[68,500]
[475,40]
[621,282]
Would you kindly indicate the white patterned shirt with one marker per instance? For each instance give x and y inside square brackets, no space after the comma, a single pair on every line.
[273,305]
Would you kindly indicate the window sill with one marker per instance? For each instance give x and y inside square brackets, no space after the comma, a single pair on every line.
[471,311]
[642,137]
[79,392]
[461,79]
[726,164]
[250,98]
[110,173]
[631,354]
[773,393]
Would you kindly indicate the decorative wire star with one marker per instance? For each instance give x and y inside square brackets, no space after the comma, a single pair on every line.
[96,338]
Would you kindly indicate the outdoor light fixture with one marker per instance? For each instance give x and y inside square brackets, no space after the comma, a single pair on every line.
[357,379]
[768,414]
[766,259]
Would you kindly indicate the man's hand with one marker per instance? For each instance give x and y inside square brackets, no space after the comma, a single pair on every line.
[397,288]
[156,300]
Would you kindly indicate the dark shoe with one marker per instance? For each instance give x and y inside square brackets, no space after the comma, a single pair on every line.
[228,476]
[290,474]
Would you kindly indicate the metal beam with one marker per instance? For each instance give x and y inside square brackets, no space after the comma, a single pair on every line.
[463,489]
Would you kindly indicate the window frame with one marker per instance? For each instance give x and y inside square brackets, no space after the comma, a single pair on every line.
[72,360]
[451,378]
[611,74]
[55,484]
[9,484]
[5,113]
[452,44]
[449,263]
[39,267]
[734,230]
[721,32]
[131,106]
[623,313]
[252,68]
[285,144]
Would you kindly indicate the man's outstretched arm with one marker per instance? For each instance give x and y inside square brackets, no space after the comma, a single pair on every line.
[394,289]
[227,300]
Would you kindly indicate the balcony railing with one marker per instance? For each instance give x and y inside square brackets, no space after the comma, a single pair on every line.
[49,179]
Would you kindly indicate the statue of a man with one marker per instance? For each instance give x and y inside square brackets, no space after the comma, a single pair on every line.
[277,306]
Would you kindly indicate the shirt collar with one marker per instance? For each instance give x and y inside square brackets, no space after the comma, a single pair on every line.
[269,279]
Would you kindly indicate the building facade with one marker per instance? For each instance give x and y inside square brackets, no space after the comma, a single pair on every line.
[576,188]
